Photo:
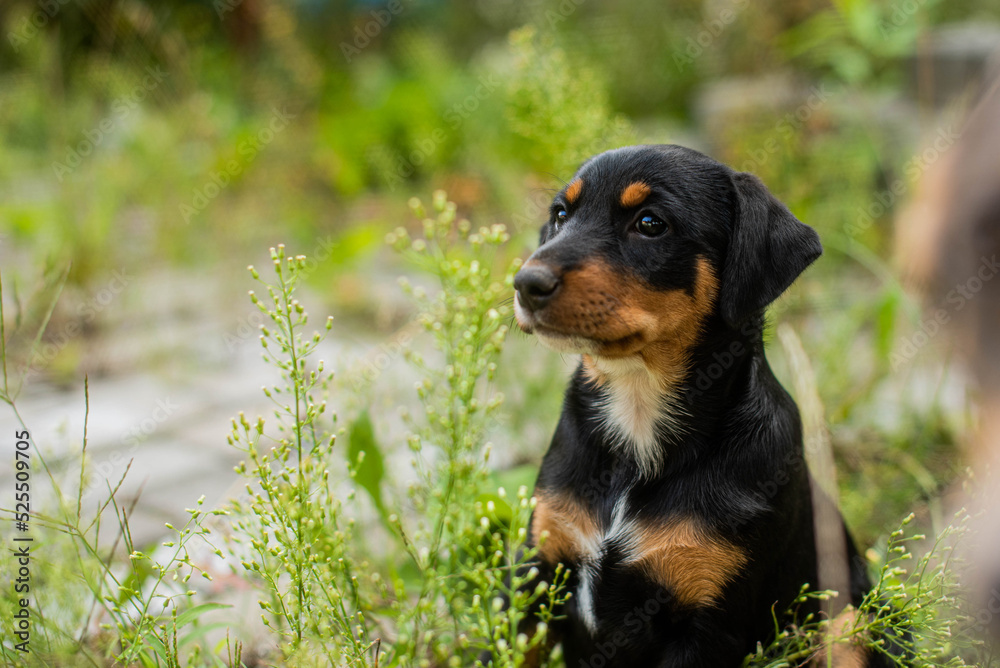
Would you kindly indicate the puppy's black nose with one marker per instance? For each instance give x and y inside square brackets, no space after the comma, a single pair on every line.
[535,285]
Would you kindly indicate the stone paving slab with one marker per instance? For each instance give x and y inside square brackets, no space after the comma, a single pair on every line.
[172,430]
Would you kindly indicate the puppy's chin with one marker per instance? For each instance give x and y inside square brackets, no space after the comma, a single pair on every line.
[565,344]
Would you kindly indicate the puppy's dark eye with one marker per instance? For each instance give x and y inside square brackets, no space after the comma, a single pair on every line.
[561,217]
[650,227]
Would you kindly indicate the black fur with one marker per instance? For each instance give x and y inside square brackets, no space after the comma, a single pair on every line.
[735,461]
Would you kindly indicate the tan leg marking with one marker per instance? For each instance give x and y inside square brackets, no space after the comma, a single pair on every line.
[572,531]
[686,559]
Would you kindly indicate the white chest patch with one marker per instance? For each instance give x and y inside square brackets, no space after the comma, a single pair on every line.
[637,409]
[621,532]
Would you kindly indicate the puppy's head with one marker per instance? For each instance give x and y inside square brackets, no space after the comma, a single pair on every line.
[646,242]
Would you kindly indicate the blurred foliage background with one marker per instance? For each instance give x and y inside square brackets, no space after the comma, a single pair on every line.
[177,139]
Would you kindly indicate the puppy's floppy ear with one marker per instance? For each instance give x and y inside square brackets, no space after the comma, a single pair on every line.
[768,249]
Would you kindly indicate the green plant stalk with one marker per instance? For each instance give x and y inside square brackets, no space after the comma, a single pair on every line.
[296,386]
[320,589]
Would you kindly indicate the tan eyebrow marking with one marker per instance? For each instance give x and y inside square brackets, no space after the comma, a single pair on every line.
[573,191]
[634,194]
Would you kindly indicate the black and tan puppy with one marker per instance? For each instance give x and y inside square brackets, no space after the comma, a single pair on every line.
[674,488]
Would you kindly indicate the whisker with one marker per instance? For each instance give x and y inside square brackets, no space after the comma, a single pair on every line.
[556,177]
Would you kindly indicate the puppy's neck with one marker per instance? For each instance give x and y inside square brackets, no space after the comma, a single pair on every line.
[639,406]
[646,402]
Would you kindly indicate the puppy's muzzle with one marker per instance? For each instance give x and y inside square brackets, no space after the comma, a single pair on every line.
[536,285]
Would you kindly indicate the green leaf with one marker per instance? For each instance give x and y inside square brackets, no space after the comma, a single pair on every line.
[850,63]
[885,321]
[515,477]
[371,470]
[502,513]
[159,651]
[141,570]
[189,616]
[201,632]
[355,244]
[510,479]
[848,7]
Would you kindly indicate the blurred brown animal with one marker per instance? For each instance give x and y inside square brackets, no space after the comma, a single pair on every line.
[949,241]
